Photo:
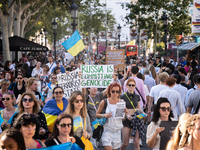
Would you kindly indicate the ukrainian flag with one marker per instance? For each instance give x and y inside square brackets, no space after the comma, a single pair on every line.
[64,146]
[74,44]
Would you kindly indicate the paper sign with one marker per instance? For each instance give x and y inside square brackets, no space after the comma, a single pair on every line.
[115,57]
[119,112]
[99,76]
[165,135]
[69,82]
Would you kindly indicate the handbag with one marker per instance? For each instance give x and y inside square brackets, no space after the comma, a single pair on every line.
[97,133]
[88,144]
[97,121]
[141,115]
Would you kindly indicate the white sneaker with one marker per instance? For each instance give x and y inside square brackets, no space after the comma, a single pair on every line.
[140,143]
[130,141]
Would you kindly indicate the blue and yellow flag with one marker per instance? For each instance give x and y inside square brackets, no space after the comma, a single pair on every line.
[77,123]
[74,44]
[64,146]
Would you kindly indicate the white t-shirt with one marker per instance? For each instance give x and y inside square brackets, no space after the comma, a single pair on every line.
[146,90]
[155,91]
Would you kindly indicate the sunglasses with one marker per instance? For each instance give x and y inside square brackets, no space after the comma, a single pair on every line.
[166,108]
[19,78]
[53,78]
[115,91]
[116,75]
[25,100]
[77,101]
[3,99]
[61,92]
[1,74]
[131,85]
[63,125]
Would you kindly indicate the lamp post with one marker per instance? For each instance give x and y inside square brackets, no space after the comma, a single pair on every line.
[97,42]
[165,23]
[119,32]
[54,25]
[41,34]
[45,41]
[74,14]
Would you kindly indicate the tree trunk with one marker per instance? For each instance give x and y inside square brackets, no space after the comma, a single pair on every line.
[10,27]
[5,40]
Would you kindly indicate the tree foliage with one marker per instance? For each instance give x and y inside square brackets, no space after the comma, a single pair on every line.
[145,13]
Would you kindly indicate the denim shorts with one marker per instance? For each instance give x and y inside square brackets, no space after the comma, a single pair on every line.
[111,137]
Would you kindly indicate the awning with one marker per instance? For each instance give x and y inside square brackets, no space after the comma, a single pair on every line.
[188,46]
[21,44]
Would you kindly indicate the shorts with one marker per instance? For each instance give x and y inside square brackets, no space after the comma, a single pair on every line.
[111,137]
[127,123]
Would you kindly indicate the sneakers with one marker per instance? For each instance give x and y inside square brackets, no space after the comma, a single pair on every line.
[130,141]
[140,143]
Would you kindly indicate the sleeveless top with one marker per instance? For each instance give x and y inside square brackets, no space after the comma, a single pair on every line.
[113,123]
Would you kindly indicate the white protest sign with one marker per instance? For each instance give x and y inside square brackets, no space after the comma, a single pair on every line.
[119,112]
[99,76]
[69,82]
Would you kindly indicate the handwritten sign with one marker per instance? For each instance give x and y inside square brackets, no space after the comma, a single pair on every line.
[69,82]
[99,76]
[167,133]
[115,57]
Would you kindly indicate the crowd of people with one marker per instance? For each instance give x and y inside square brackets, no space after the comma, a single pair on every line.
[34,112]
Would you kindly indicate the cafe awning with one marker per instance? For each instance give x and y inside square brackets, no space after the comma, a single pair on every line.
[21,44]
[188,46]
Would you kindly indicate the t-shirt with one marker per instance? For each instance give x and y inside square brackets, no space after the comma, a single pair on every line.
[155,91]
[90,107]
[193,100]
[51,142]
[60,106]
[135,98]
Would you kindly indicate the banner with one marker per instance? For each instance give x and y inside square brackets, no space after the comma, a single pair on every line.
[134,34]
[165,135]
[99,76]
[69,82]
[196,17]
[143,35]
[115,57]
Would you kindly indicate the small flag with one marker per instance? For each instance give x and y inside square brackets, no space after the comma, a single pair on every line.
[77,123]
[74,44]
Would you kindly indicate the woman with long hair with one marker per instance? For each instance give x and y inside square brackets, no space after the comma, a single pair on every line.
[12,138]
[111,137]
[19,87]
[29,104]
[153,73]
[10,78]
[162,112]
[77,109]
[132,104]
[63,132]
[186,135]
[28,125]
[54,107]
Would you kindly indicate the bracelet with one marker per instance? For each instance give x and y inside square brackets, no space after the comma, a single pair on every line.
[102,116]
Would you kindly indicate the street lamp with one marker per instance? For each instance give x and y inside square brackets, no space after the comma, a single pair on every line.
[97,42]
[45,41]
[54,25]
[41,37]
[165,23]
[74,14]
[119,32]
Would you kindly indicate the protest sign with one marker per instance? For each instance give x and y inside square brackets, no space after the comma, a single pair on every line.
[99,76]
[115,57]
[119,112]
[165,135]
[69,82]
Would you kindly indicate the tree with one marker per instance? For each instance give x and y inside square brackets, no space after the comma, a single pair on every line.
[92,17]
[147,14]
